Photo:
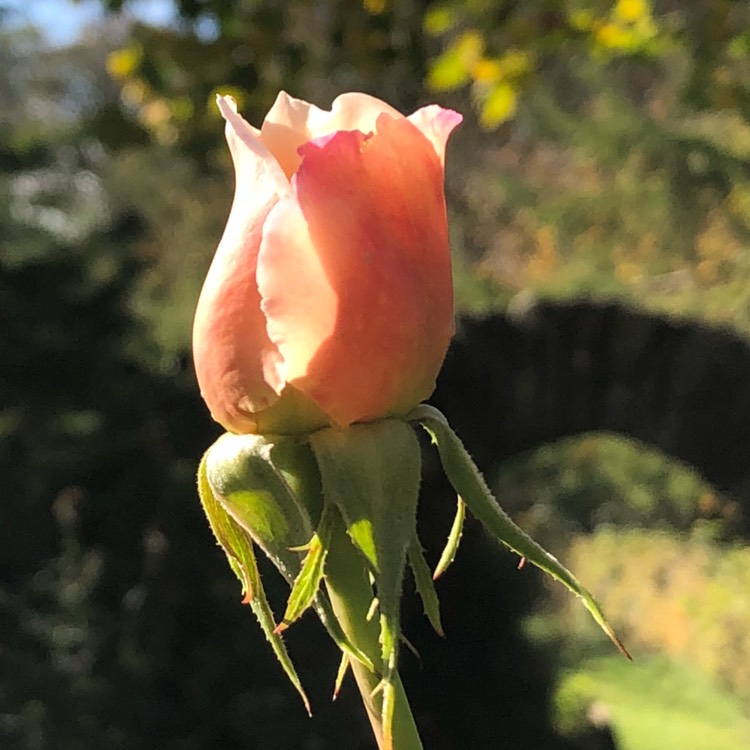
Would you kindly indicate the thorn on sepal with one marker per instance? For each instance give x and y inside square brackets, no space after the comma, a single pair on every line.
[411,647]
[378,689]
[340,674]
[373,609]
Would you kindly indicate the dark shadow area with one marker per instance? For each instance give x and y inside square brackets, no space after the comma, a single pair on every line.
[514,382]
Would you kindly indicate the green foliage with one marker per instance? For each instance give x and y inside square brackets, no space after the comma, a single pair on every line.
[472,489]
[652,704]
[683,598]
[572,700]
[581,482]
[499,49]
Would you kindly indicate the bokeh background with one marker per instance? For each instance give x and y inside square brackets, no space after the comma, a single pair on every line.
[599,198]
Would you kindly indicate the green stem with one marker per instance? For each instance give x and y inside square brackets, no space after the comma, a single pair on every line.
[351,594]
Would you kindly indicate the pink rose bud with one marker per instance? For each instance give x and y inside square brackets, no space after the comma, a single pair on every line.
[329,299]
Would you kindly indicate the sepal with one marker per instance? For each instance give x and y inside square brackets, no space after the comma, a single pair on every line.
[371,472]
[454,539]
[471,487]
[238,548]
[269,486]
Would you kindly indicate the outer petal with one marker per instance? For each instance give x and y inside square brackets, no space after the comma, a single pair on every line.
[354,272]
[352,111]
[436,124]
[291,122]
[235,361]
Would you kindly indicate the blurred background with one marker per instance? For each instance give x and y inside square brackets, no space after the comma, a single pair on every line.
[599,199]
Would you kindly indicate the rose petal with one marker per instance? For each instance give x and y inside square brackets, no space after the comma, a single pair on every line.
[354,272]
[352,111]
[436,124]
[298,299]
[291,122]
[254,163]
[235,361]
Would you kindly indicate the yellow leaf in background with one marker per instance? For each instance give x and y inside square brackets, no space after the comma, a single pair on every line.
[515,62]
[612,36]
[124,62]
[439,19]
[488,70]
[498,106]
[452,69]
[512,65]
[469,47]
[447,72]
[376,7]
[631,11]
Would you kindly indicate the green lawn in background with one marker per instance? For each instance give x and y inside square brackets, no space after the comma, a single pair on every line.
[656,704]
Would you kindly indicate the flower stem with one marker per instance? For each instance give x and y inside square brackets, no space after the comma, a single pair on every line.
[351,595]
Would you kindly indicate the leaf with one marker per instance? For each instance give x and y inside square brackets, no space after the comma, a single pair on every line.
[440,18]
[454,539]
[452,69]
[470,485]
[425,586]
[447,72]
[498,105]
[239,551]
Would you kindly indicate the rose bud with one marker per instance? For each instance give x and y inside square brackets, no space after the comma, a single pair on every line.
[329,300]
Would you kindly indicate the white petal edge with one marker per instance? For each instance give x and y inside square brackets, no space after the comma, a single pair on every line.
[252,160]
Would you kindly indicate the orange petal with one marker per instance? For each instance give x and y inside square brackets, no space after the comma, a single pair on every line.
[354,272]
[235,361]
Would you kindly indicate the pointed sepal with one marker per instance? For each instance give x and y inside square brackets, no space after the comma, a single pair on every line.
[344,665]
[454,539]
[270,487]
[371,472]
[238,547]
[245,480]
[307,583]
[425,584]
[470,485]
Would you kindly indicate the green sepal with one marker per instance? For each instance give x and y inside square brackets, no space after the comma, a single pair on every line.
[371,472]
[307,583]
[424,584]
[238,548]
[266,484]
[249,486]
[326,614]
[454,539]
[470,485]
[344,665]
